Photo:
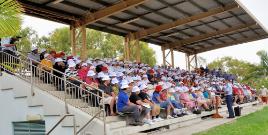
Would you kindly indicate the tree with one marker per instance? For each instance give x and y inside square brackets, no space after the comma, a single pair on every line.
[60,40]
[264,61]
[28,38]
[99,45]
[10,20]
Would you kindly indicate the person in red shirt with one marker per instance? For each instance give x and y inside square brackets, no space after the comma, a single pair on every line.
[82,72]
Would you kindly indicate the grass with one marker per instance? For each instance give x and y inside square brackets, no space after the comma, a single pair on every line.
[252,124]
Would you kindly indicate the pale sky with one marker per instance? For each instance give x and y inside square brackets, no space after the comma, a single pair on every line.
[245,51]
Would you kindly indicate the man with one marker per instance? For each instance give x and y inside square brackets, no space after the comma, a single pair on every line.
[264,94]
[109,96]
[125,106]
[229,98]
[35,59]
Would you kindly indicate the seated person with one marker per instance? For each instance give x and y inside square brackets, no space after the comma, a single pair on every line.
[59,67]
[109,96]
[90,80]
[185,99]
[47,65]
[72,78]
[82,72]
[238,94]
[201,100]
[115,86]
[178,107]
[146,99]
[145,112]
[162,103]
[125,106]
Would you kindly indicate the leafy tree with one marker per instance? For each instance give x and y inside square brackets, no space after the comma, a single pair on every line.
[29,37]
[10,20]
[60,39]
[264,61]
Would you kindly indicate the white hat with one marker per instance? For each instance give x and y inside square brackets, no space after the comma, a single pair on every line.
[84,64]
[124,86]
[59,60]
[143,86]
[46,55]
[78,61]
[88,61]
[171,90]
[114,81]
[124,82]
[134,78]
[144,76]
[91,73]
[106,78]
[112,74]
[33,48]
[71,64]
[43,50]
[135,89]
[119,74]
[100,75]
[92,67]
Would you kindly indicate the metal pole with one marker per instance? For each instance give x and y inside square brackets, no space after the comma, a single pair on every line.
[65,95]
[32,74]
[74,123]
[104,114]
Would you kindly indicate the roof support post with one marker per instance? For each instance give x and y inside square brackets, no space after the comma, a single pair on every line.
[164,55]
[126,49]
[187,60]
[195,60]
[73,40]
[172,57]
[84,44]
[138,51]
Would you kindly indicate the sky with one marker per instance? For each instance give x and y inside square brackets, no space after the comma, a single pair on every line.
[246,52]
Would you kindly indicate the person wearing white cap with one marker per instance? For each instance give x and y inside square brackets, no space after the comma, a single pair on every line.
[109,95]
[35,59]
[125,106]
[42,53]
[59,66]
[264,94]
[72,76]
[145,112]
[115,86]
[176,105]
[90,80]
[47,65]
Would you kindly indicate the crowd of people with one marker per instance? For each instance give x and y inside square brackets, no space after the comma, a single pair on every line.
[143,91]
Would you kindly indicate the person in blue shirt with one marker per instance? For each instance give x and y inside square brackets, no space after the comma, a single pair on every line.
[229,98]
[125,106]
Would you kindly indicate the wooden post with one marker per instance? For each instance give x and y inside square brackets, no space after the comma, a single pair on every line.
[187,60]
[84,44]
[195,60]
[73,40]
[164,55]
[172,57]
[138,53]
[126,48]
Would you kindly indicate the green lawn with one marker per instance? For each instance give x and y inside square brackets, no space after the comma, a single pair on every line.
[252,124]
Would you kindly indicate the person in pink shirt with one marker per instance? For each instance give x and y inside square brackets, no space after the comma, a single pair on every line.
[185,99]
[82,72]
[90,81]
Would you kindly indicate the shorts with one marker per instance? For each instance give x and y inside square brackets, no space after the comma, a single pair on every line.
[164,104]
[107,100]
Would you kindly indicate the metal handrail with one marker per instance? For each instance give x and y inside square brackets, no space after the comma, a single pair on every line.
[82,128]
[66,115]
[26,72]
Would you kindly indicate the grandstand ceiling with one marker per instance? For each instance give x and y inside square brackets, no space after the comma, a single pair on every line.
[189,26]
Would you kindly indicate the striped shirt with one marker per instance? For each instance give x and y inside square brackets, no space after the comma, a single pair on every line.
[70,73]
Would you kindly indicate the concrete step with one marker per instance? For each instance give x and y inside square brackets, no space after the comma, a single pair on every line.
[60,94]
[77,103]
[47,87]
[68,122]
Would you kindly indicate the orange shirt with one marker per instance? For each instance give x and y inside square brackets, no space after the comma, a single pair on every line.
[46,64]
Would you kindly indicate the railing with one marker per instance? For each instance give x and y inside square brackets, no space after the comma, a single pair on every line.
[67,115]
[49,79]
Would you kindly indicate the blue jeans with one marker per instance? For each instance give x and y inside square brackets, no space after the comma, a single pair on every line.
[229,102]
[164,104]
[176,104]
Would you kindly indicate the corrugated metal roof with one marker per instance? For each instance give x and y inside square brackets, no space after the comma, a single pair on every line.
[154,14]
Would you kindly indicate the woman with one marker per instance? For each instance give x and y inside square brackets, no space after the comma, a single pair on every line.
[59,67]
[46,65]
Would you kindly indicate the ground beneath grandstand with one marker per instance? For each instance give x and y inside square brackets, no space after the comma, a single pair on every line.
[254,121]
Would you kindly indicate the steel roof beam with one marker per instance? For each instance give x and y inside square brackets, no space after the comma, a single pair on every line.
[184,42]
[108,11]
[250,39]
[143,33]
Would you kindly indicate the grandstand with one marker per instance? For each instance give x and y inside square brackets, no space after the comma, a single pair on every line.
[67,98]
